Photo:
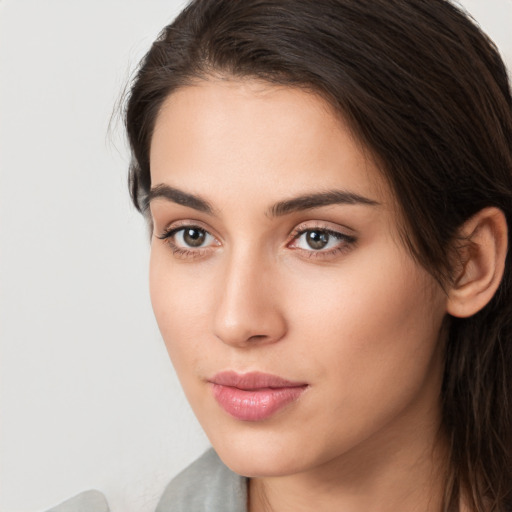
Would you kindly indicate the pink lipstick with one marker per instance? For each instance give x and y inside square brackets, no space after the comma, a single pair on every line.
[254,396]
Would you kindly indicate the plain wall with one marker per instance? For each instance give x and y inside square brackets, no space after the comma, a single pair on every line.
[88,396]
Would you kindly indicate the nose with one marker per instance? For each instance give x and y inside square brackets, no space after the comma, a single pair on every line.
[248,310]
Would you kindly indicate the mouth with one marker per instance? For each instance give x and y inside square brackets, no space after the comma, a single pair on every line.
[254,396]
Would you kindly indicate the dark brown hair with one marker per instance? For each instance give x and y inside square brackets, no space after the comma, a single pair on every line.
[427,93]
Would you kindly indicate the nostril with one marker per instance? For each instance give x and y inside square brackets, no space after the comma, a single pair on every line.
[257,337]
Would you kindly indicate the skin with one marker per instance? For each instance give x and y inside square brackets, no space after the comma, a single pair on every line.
[360,322]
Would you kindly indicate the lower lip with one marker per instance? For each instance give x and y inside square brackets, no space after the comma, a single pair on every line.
[255,404]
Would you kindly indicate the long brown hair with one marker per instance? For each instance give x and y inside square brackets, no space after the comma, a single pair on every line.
[427,93]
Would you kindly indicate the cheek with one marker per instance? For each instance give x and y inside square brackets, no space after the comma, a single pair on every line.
[368,325]
[180,300]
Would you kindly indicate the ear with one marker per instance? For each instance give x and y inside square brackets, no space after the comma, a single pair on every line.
[481,262]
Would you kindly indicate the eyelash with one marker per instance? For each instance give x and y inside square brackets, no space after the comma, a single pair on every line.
[181,252]
[346,242]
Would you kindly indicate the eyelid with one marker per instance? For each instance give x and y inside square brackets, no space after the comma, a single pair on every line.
[344,231]
[182,251]
[346,241]
[173,227]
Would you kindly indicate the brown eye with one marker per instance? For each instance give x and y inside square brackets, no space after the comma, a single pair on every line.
[189,238]
[317,239]
[194,237]
[321,241]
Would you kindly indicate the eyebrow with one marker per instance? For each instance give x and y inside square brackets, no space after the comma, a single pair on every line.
[180,197]
[305,202]
[310,201]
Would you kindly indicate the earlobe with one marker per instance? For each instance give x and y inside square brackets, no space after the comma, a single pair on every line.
[482,262]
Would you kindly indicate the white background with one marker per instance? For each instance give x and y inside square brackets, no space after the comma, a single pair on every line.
[88,396]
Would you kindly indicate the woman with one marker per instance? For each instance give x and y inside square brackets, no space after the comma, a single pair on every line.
[328,186]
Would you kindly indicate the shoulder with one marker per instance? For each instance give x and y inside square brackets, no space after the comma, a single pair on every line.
[207,485]
[88,501]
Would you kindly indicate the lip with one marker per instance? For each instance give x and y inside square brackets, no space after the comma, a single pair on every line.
[254,396]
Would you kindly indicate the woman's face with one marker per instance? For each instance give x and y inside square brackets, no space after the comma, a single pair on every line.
[300,327]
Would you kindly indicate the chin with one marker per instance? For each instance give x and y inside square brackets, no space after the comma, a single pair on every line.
[261,454]
[254,463]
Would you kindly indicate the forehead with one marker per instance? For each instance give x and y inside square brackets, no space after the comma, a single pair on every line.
[247,135]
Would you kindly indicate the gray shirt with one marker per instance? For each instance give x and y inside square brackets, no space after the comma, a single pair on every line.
[207,485]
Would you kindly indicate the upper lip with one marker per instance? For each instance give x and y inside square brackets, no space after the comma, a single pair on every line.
[252,380]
